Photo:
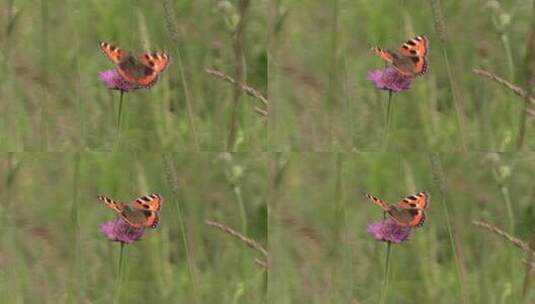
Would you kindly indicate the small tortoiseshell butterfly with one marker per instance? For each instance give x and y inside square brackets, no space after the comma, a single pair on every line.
[142,70]
[142,212]
[409,212]
[411,59]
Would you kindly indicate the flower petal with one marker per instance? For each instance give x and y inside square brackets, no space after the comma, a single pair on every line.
[389,79]
[388,231]
[121,231]
[114,81]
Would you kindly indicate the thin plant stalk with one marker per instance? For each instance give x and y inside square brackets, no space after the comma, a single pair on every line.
[240,70]
[440,28]
[530,259]
[530,63]
[173,184]
[387,272]
[506,197]
[241,206]
[347,253]
[457,100]
[388,120]
[119,119]
[438,177]
[332,94]
[77,289]
[119,115]
[170,19]
[45,63]
[119,282]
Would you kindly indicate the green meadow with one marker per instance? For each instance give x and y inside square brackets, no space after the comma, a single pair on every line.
[321,252]
[322,100]
[52,250]
[53,99]
[262,136]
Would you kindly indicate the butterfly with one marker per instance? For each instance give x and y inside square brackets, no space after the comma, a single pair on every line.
[140,213]
[143,70]
[410,59]
[409,212]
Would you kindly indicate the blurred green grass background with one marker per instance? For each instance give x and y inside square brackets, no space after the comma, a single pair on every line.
[321,251]
[53,100]
[311,58]
[52,250]
[322,100]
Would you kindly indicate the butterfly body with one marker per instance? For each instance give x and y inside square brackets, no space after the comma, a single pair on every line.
[410,59]
[409,212]
[142,70]
[140,213]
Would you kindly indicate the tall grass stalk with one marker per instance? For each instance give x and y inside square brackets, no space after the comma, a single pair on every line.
[245,88]
[510,214]
[332,94]
[77,290]
[439,180]
[241,207]
[386,279]
[170,19]
[172,180]
[440,28]
[240,71]
[388,120]
[530,63]
[79,101]
[347,252]
[119,282]
[119,119]
[529,267]
[251,243]
[44,65]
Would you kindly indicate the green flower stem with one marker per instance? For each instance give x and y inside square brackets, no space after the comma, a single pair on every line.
[387,272]
[119,118]
[388,120]
[119,283]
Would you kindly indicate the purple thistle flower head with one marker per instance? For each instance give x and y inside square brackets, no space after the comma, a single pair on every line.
[388,231]
[389,79]
[121,231]
[114,81]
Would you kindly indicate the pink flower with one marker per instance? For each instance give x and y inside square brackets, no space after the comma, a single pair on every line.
[121,231]
[114,81]
[388,231]
[389,79]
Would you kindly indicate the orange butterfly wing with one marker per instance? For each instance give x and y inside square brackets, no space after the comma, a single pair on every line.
[411,59]
[410,212]
[378,202]
[416,49]
[110,203]
[151,64]
[113,52]
[143,70]
[143,212]
[386,55]
[151,202]
[415,205]
[149,205]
